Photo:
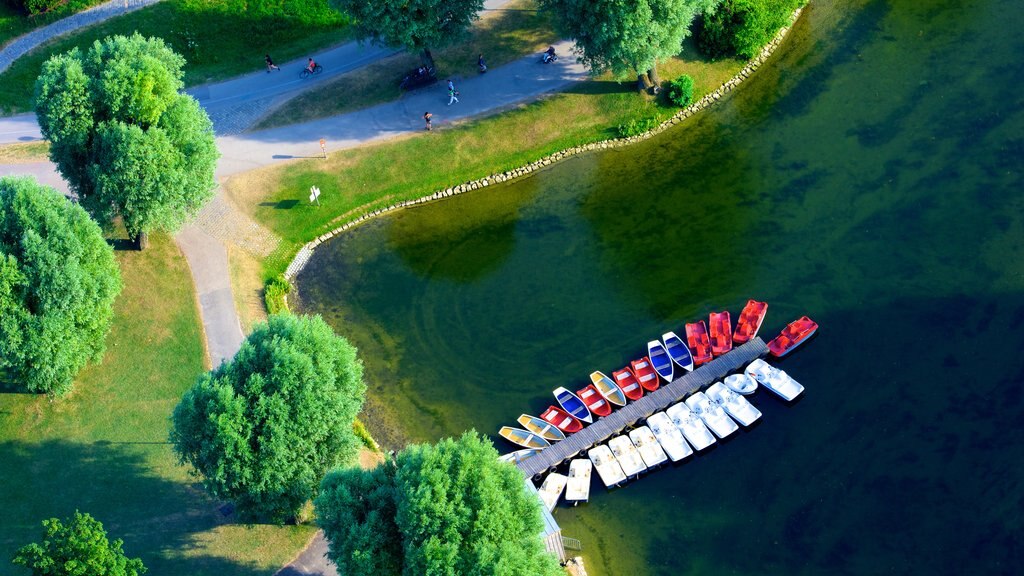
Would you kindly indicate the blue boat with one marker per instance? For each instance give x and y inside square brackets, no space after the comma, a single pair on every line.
[678,351]
[660,360]
[572,404]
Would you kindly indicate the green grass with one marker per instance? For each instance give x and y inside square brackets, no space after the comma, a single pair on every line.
[24,152]
[103,449]
[218,38]
[14,23]
[503,36]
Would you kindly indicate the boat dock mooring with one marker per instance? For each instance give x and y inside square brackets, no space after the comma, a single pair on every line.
[634,412]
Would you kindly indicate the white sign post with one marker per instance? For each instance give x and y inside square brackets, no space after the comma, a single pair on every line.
[314,195]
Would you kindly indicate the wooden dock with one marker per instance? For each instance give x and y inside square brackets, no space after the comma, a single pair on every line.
[634,412]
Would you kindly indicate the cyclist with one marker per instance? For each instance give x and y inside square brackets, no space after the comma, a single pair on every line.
[311,66]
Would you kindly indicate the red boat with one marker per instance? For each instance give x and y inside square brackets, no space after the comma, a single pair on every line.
[750,321]
[561,420]
[700,344]
[626,381]
[645,373]
[594,401]
[792,336]
[721,333]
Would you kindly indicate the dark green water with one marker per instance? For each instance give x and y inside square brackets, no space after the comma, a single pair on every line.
[869,176]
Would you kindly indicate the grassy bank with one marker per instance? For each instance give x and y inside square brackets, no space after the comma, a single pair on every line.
[14,23]
[25,152]
[104,448]
[219,39]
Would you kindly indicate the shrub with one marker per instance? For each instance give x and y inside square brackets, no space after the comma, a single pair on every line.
[75,547]
[636,126]
[743,27]
[274,293]
[680,91]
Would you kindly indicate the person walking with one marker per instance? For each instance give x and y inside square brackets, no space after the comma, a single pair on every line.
[480,63]
[426,118]
[453,95]
[271,65]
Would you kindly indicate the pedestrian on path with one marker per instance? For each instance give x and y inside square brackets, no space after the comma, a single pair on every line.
[271,65]
[452,93]
[426,118]
[481,64]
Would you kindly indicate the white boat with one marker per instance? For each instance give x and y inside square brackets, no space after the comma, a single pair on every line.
[669,436]
[627,455]
[678,351]
[607,467]
[645,442]
[578,487]
[712,414]
[519,455]
[737,406]
[742,383]
[551,490]
[690,425]
[774,379]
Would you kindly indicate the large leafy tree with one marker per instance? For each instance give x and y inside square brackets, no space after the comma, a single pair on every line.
[58,282]
[416,25]
[126,140]
[78,547]
[448,509]
[264,428]
[626,37]
[743,27]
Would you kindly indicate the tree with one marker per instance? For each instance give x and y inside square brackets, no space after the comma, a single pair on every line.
[79,548]
[413,24]
[626,37]
[264,428]
[743,27]
[124,138]
[58,282]
[446,509]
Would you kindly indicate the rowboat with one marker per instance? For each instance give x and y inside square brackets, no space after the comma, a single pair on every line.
[737,406]
[608,388]
[644,373]
[792,336]
[670,438]
[607,466]
[645,442]
[518,456]
[577,489]
[750,321]
[700,344]
[572,404]
[523,438]
[551,490]
[595,402]
[627,455]
[720,327]
[690,425]
[541,427]
[561,419]
[660,360]
[774,379]
[742,383]
[678,351]
[626,380]
[712,414]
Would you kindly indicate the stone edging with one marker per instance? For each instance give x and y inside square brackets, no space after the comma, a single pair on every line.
[306,252]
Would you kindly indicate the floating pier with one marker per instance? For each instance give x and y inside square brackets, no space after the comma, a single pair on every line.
[634,412]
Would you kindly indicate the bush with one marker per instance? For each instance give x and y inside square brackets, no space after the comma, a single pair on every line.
[636,126]
[76,547]
[274,293]
[680,91]
[743,27]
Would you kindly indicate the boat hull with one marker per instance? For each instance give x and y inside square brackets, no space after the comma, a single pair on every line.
[547,430]
[720,333]
[572,404]
[749,321]
[608,388]
[561,419]
[669,436]
[643,375]
[608,468]
[577,489]
[678,351]
[699,343]
[792,336]
[524,438]
[595,402]
[660,360]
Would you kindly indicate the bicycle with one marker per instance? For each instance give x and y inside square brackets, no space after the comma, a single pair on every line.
[306,72]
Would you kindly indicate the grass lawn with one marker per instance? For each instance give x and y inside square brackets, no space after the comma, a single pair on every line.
[14,23]
[370,177]
[219,39]
[103,449]
[501,35]
[25,152]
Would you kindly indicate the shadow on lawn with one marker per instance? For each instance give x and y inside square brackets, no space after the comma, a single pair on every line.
[159,519]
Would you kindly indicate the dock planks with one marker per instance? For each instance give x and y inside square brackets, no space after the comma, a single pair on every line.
[634,412]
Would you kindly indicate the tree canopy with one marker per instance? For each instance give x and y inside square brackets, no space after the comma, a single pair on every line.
[450,509]
[264,428]
[78,548]
[625,37]
[743,27]
[122,135]
[58,282]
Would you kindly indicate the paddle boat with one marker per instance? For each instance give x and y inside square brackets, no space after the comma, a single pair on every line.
[645,442]
[741,383]
[700,344]
[669,436]
[720,326]
[607,466]
[774,379]
[561,419]
[737,406]
[518,456]
[595,402]
[572,404]
[690,425]
[660,360]
[541,427]
[626,380]
[627,455]
[608,388]
[712,414]
[644,373]
[678,351]
[523,438]
[577,489]
[551,490]
[792,336]
[750,321]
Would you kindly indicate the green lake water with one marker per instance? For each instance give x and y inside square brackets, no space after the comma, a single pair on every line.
[870,176]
